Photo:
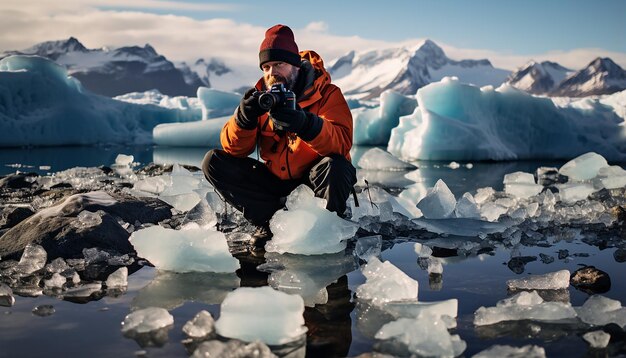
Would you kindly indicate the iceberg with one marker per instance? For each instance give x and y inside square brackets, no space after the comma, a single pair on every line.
[45,106]
[190,249]
[190,134]
[275,317]
[372,126]
[456,121]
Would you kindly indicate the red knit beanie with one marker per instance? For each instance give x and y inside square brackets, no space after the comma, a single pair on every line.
[279,45]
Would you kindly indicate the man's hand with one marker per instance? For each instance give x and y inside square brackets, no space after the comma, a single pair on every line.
[306,125]
[249,110]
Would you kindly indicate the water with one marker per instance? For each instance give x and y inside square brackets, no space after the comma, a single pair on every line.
[93,328]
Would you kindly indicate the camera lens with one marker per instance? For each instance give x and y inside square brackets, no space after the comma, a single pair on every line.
[267,101]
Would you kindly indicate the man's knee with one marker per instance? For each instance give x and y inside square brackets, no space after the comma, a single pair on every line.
[209,158]
[336,168]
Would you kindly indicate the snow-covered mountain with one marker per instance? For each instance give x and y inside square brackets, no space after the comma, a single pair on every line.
[538,77]
[601,76]
[216,74]
[405,69]
[112,72]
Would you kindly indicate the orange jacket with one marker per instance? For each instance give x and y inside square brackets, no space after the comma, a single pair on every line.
[288,156]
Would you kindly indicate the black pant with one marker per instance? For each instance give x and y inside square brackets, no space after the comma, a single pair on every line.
[250,187]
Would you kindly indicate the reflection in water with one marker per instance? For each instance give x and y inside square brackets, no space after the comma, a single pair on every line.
[181,155]
[307,276]
[170,289]
[156,338]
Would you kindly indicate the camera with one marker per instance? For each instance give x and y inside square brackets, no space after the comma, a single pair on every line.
[277,96]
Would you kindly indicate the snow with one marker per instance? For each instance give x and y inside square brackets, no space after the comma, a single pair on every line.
[192,248]
[44,106]
[307,228]
[456,121]
[275,317]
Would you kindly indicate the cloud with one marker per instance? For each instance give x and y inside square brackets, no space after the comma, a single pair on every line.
[182,38]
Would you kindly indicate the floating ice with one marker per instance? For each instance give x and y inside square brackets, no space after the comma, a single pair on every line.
[385,282]
[425,336]
[200,326]
[33,258]
[275,317]
[234,349]
[190,249]
[45,106]
[307,228]
[118,279]
[6,295]
[499,351]
[455,121]
[462,226]
[216,103]
[599,310]
[439,202]
[422,250]
[190,134]
[124,160]
[378,159]
[372,126]
[549,281]
[523,306]
[583,167]
[597,339]
[146,320]
[466,207]
[56,281]
[413,308]
[435,265]
[367,247]
[84,290]
[573,192]
[491,211]
[382,205]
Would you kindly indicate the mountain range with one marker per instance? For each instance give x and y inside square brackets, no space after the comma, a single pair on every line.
[362,75]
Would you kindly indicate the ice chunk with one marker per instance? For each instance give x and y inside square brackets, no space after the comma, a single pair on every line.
[307,228]
[200,326]
[33,258]
[202,214]
[413,308]
[439,202]
[56,281]
[235,349]
[118,279]
[378,159]
[385,282]
[523,190]
[146,320]
[583,167]
[85,290]
[87,219]
[523,306]
[182,202]
[422,250]
[573,192]
[599,310]
[434,265]
[462,226]
[612,177]
[499,351]
[519,178]
[454,165]
[154,185]
[124,160]
[275,317]
[491,211]
[426,336]
[549,281]
[367,247]
[597,339]
[189,249]
[466,207]
[57,265]
[483,194]
[6,295]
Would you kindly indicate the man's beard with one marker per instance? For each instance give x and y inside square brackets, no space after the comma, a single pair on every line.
[288,82]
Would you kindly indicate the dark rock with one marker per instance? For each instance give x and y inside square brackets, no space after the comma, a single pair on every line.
[546,259]
[517,264]
[106,170]
[18,181]
[62,186]
[12,216]
[591,280]
[58,230]
[620,255]
[563,254]
[43,310]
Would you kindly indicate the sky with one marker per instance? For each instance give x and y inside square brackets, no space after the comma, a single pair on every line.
[509,33]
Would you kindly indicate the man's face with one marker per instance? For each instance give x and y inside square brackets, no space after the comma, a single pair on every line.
[275,72]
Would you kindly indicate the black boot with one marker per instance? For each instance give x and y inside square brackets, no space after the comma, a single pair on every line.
[261,236]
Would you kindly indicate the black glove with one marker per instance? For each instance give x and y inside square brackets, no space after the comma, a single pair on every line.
[249,110]
[306,125]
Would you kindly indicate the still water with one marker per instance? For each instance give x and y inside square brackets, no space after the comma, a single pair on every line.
[342,327]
